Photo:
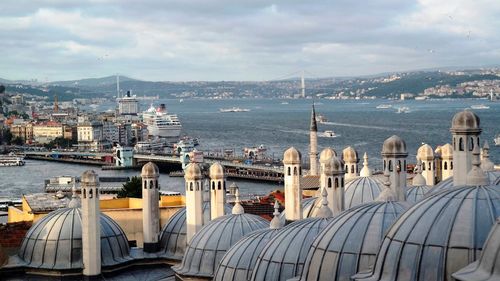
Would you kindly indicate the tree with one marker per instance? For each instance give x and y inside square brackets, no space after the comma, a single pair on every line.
[6,136]
[132,188]
[17,141]
[2,89]
[60,142]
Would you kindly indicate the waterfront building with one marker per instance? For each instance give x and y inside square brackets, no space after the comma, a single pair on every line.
[45,132]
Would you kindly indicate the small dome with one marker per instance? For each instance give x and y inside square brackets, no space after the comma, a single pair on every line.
[208,246]
[192,172]
[333,166]
[239,261]
[353,238]
[487,268]
[465,122]
[173,235]
[446,151]
[437,236]
[362,190]
[310,207]
[416,193]
[292,156]
[89,177]
[283,256]
[394,147]
[327,154]
[216,171]
[350,155]
[55,242]
[150,170]
[425,153]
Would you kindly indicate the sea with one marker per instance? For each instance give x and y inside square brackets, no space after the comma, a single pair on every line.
[278,124]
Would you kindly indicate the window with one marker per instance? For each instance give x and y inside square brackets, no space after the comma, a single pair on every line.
[295,171]
[352,169]
[219,186]
[390,165]
[90,193]
[191,186]
[342,182]
[384,165]
[471,145]
[329,182]
[423,166]
[150,184]
[84,193]
[336,182]
[213,185]
[451,165]
[461,144]
[289,171]
[445,165]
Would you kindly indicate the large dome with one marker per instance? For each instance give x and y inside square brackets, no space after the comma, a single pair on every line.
[394,146]
[55,242]
[283,256]
[493,178]
[239,261]
[465,122]
[173,235]
[438,236]
[361,190]
[416,193]
[350,242]
[208,246]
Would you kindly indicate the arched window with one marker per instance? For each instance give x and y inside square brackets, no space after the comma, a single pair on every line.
[336,182]
[399,167]
[423,166]
[352,169]
[471,145]
[300,171]
[461,144]
[329,182]
[91,193]
[219,186]
[390,165]
[224,184]
[150,184]
[454,144]
[213,185]
[97,192]
[404,167]
[346,168]
[445,165]
[295,172]
[156,184]
[384,165]
[197,186]
[145,184]
[84,193]
[342,182]
[289,171]
[451,165]
[191,186]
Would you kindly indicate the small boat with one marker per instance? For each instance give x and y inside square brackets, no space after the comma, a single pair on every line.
[384,106]
[321,119]
[403,109]
[234,109]
[329,134]
[11,160]
[420,98]
[285,102]
[497,140]
[181,100]
[479,106]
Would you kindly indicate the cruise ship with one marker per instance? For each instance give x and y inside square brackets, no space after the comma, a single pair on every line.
[160,123]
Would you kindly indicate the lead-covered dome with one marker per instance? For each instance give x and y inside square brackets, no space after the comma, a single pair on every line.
[150,170]
[465,122]
[361,190]
[394,146]
[173,235]
[350,155]
[416,193]
[291,156]
[283,256]
[55,242]
[350,242]
[208,246]
[447,184]
[438,236]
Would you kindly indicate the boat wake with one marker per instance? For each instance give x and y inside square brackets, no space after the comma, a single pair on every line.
[364,126]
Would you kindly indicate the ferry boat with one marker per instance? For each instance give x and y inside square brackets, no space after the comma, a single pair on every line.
[497,140]
[384,106]
[479,106]
[160,123]
[11,160]
[403,109]
[234,109]
[329,134]
[321,119]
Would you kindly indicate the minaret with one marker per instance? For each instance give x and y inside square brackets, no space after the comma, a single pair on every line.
[91,227]
[293,190]
[465,129]
[486,164]
[313,150]
[365,171]
[194,200]
[332,180]
[350,157]
[394,154]
[324,211]
[150,207]
[387,193]
[425,154]
[418,179]
[217,191]
[476,175]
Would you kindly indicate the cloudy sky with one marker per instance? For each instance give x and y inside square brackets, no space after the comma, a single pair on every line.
[242,39]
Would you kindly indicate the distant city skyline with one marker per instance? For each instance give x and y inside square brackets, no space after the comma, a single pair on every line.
[200,40]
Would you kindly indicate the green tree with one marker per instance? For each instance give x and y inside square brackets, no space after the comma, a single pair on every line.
[132,188]
[60,142]
[6,136]
[17,141]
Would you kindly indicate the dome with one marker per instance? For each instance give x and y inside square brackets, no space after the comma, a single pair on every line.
[327,154]
[425,153]
[394,146]
[350,155]
[487,268]
[150,170]
[465,122]
[310,207]
[446,151]
[437,236]
[192,172]
[89,177]
[239,261]
[208,246]
[55,242]
[361,190]
[216,171]
[416,193]
[173,235]
[283,256]
[291,156]
[493,177]
[350,242]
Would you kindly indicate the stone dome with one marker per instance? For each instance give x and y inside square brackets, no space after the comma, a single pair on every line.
[465,122]
[192,172]
[416,193]
[173,235]
[350,155]
[327,154]
[350,242]
[425,152]
[239,261]
[394,147]
[292,156]
[208,246]
[283,256]
[216,171]
[55,242]
[361,190]
[89,177]
[487,268]
[437,236]
[446,151]
[150,170]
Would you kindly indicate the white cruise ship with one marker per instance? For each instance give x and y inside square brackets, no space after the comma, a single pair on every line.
[160,123]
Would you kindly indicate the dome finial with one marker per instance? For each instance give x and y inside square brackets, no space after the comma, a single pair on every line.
[237,208]
[276,222]
[387,194]
[75,200]
[324,211]
[365,171]
[419,180]
[486,163]
[476,175]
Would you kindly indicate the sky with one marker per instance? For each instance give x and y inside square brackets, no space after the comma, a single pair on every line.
[187,40]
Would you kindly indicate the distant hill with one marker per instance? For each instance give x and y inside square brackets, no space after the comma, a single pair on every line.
[92,82]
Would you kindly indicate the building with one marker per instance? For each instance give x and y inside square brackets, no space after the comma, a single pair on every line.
[47,131]
[128,105]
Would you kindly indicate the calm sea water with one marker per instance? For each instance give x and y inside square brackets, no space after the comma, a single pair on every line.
[279,126]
